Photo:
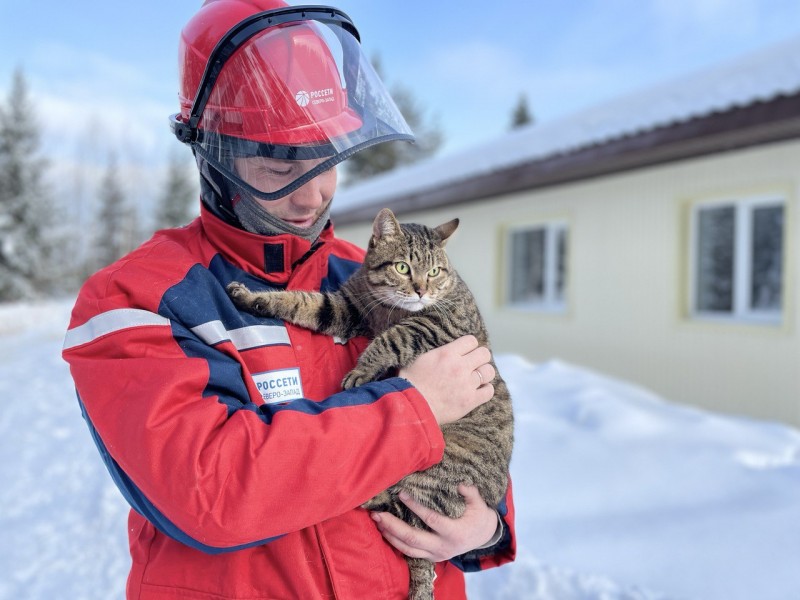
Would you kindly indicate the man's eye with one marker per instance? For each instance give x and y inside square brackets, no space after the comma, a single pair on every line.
[279,172]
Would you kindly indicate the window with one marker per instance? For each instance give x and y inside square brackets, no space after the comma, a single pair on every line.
[537,273]
[737,259]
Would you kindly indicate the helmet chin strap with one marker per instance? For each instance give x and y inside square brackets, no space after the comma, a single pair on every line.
[255,219]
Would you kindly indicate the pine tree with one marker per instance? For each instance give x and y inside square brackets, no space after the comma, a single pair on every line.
[522,114]
[387,156]
[178,203]
[117,228]
[31,252]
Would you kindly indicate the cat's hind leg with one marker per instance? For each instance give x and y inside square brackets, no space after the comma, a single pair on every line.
[421,575]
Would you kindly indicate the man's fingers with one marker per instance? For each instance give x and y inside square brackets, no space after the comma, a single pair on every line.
[411,541]
[478,376]
[485,393]
[470,493]
[447,537]
[464,345]
[405,549]
[478,357]
[430,517]
[484,374]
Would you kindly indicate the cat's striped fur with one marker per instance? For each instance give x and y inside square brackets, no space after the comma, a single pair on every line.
[408,298]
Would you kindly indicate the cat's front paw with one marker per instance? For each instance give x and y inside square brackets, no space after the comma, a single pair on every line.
[237,291]
[245,299]
[355,378]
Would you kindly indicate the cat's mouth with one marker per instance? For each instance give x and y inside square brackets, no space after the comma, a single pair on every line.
[412,303]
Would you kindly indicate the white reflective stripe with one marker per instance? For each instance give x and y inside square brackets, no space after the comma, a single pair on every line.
[243,338]
[110,322]
[211,333]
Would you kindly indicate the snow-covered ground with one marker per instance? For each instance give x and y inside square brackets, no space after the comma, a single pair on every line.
[620,495]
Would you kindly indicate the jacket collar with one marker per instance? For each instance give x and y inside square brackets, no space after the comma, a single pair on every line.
[270,257]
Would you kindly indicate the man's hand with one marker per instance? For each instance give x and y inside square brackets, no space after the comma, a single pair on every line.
[455,378]
[448,537]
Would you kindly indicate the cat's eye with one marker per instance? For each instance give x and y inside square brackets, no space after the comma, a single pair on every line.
[402,268]
[434,272]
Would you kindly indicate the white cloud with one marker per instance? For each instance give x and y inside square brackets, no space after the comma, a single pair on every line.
[112,122]
[80,95]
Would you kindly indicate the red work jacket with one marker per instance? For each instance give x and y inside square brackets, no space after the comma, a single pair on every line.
[244,462]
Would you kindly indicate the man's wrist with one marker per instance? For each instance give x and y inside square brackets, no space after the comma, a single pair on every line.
[496,537]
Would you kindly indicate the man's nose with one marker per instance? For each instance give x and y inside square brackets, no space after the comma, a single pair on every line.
[308,195]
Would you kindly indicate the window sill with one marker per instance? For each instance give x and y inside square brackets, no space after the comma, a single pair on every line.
[536,308]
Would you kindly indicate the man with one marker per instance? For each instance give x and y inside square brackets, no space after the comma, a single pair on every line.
[243,460]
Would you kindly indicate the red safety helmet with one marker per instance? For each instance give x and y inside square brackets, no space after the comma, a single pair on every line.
[261,78]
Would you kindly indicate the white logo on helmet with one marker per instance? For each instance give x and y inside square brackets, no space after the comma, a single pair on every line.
[302,98]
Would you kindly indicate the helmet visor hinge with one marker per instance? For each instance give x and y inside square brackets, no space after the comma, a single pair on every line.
[183,131]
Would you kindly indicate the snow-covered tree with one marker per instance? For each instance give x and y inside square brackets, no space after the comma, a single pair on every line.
[521,114]
[117,227]
[31,238]
[387,156]
[177,204]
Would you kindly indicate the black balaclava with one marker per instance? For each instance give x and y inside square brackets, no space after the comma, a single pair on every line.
[236,207]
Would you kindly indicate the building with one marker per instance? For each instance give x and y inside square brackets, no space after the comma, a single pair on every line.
[653,238]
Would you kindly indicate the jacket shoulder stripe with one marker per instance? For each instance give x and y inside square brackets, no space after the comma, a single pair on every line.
[243,338]
[110,322]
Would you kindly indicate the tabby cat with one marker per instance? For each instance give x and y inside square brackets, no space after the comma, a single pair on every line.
[407,297]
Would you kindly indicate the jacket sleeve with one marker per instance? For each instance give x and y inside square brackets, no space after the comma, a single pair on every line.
[502,552]
[205,463]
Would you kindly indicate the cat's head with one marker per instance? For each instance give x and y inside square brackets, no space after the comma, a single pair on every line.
[407,266]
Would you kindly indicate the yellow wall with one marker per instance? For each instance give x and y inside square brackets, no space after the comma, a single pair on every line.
[627,312]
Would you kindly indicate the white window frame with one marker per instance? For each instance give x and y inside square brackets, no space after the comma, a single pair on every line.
[551,301]
[742,267]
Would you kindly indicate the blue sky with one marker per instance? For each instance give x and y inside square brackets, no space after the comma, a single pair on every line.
[104,74]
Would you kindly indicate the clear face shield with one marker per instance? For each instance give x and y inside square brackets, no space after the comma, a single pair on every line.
[287,95]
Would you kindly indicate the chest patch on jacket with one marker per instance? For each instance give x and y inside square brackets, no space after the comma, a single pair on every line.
[281,385]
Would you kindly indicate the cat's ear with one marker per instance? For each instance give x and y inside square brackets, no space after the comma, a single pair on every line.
[385,225]
[446,230]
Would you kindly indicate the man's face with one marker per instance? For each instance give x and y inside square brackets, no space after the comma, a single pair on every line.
[302,207]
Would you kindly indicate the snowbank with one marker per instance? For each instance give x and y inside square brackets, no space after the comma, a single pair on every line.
[619,494]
